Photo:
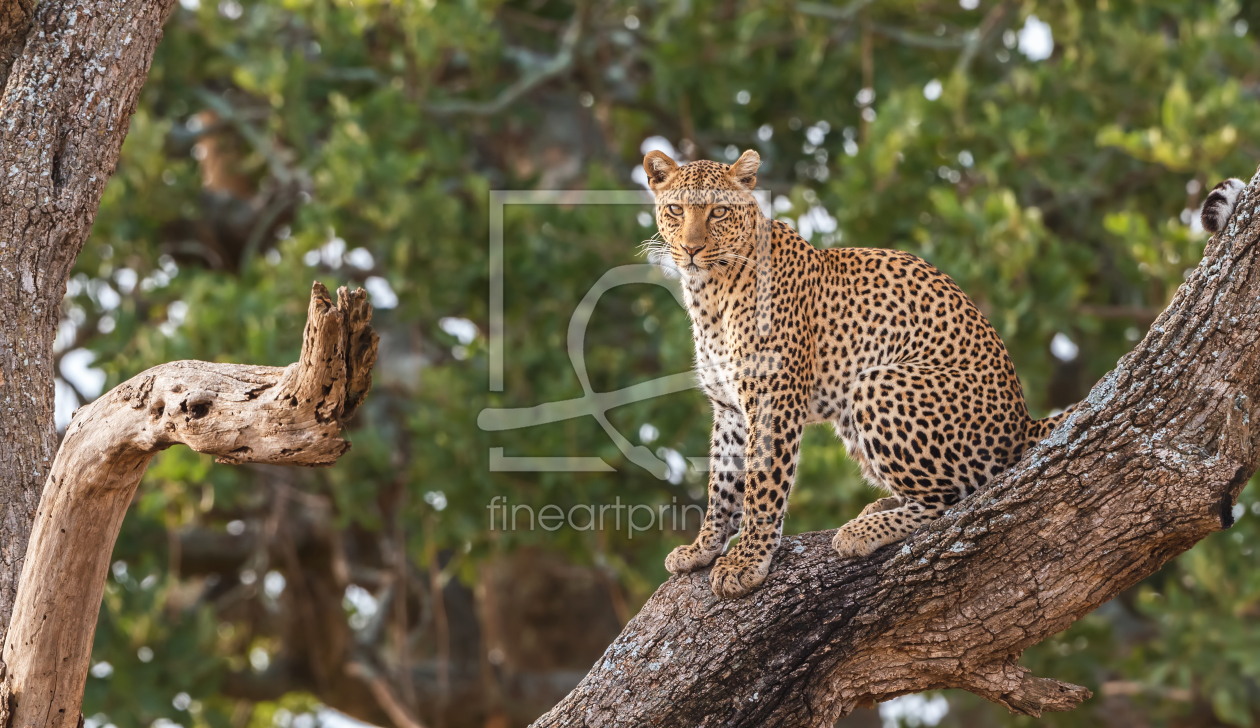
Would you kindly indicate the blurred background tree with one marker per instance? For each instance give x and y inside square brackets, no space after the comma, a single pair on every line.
[1048,156]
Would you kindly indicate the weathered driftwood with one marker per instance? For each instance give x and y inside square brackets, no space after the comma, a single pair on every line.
[1150,463]
[239,413]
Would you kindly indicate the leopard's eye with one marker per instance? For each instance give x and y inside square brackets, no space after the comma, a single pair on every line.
[675,210]
[719,212]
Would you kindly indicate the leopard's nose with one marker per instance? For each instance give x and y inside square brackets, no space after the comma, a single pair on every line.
[692,250]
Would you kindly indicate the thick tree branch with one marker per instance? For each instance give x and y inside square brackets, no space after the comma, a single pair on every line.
[239,413]
[1150,463]
[546,70]
[76,70]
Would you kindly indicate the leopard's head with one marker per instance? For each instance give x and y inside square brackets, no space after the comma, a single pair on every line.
[705,210]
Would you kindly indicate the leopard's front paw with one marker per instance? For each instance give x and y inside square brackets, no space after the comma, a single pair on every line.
[688,558]
[854,541]
[733,577]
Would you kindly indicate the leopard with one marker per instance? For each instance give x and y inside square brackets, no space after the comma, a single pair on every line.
[874,341]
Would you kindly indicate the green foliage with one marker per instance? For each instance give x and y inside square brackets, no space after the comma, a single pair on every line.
[1058,193]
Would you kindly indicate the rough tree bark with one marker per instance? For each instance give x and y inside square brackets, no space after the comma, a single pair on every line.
[71,72]
[1150,463]
[239,413]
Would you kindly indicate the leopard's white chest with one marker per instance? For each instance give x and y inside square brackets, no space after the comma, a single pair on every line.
[717,367]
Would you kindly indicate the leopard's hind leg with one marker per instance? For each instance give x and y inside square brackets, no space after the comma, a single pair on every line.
[930,435]
[864,534]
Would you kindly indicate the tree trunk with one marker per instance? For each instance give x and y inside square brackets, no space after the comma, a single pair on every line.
[1150,463]
[72,73]
[237,412]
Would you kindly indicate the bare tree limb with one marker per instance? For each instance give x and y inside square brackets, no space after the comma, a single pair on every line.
[979,36]
[1150,463]
[832,12]
[536,76]
[1140,314]
[920,40]
[384,695]
[239,413]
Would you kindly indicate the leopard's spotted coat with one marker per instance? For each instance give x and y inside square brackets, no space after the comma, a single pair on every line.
[877,342]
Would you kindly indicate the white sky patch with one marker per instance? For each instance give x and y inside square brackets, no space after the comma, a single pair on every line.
[648,433]
[437,499]
[1036,40]
[913,710]
[104,294]
[332,251]
[66,331]
[176,312]
[932,91]
[259,659]
[1063,348]
[361,258]
[1196,221]
[676,462]
[361,604]
[382,294]
[658,144]
[273,584]
[652,144]
[76,368]
[126,279]
[460,328]
[816,220]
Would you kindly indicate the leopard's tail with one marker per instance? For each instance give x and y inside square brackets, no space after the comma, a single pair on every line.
[1039,430]
[1219,205]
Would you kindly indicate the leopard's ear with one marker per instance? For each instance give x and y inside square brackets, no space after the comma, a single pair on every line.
[659,167]
[744,170]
